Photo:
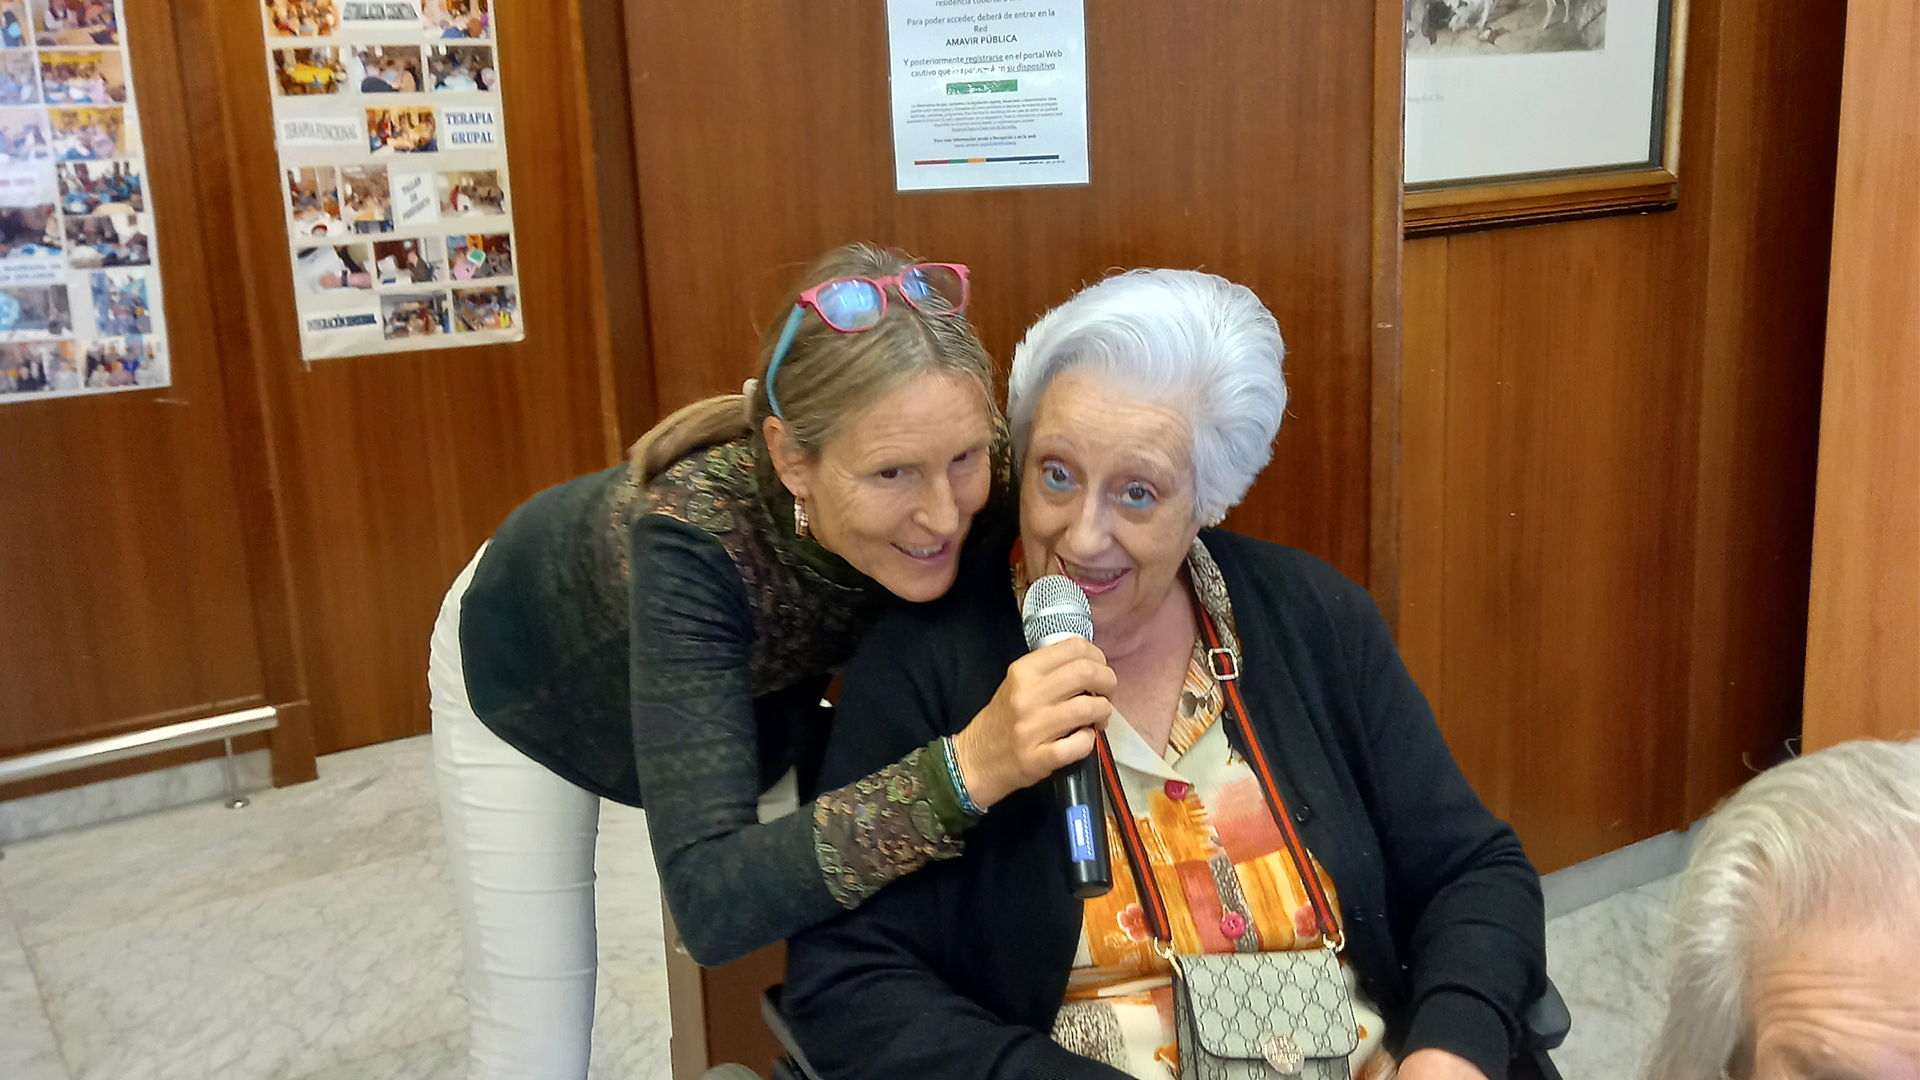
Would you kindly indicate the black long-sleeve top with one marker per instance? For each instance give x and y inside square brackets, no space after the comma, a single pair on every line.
[666,646]
[958,971]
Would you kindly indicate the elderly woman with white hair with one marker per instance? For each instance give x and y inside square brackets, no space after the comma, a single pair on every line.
[1796,952]
[1261,724]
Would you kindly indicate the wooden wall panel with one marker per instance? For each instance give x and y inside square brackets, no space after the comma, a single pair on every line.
[393,469]
[1764,277]
[740,189]
[603,41]
[1863,648]
[1423,461]
[1618,418]
[1568,449]
[1384,527]
[125,594]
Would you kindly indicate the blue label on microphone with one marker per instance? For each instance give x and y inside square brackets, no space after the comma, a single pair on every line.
[1080,833]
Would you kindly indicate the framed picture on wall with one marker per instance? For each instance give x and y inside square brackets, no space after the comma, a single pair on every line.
[1521,110]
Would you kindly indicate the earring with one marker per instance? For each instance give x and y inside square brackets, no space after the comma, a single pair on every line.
[802,528]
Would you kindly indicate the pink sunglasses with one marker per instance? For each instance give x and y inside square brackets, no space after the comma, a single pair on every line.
[854,304]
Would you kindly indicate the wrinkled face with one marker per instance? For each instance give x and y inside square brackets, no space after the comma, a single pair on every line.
[1838,1002]
[1106,496]
[895,491]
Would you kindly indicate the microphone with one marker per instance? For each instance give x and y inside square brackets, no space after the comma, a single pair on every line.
[1057,609]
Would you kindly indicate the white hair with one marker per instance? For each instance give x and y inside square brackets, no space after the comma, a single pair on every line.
[1192,340]
[1832,834]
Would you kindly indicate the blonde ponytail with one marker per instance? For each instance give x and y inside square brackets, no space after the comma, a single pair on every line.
[707,422]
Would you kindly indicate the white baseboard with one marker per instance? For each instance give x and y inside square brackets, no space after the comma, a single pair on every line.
[1617,871]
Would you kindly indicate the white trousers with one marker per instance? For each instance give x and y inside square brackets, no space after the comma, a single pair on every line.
[520,841]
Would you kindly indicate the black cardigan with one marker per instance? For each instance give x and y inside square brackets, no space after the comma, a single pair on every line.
[958,970]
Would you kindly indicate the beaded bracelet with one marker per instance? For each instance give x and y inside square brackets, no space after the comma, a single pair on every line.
[959,782]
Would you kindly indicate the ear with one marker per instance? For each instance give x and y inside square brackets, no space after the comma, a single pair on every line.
[789,461]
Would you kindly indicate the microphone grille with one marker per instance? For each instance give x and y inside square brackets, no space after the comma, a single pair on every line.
[1055,606]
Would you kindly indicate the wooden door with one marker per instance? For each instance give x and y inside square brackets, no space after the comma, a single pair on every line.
[1259,141]
[142,583]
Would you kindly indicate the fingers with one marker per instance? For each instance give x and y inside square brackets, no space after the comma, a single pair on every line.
[1085,675]
[1063,669]
[1047,713]
[1074,747]
[1085,711]
[1066,733]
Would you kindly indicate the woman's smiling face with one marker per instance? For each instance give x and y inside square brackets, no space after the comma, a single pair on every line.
[895,493]
[1106,496]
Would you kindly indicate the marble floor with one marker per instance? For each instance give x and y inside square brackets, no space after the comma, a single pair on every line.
[309,935]
[1606,959]
[312,935]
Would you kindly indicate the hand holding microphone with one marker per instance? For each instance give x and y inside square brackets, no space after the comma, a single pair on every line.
[1046,715]
[1052,707]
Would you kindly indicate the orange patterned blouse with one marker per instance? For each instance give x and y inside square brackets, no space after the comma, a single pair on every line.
[1220,861]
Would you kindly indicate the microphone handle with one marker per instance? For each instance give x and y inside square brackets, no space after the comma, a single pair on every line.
[1077,788]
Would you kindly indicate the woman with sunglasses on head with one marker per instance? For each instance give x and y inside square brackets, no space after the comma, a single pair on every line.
[661,634]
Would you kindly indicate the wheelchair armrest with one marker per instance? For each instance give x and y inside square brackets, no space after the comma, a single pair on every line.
[776,1022]
[1548,1020]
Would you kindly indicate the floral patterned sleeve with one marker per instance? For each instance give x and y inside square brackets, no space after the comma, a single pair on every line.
[887,825]
[733,883]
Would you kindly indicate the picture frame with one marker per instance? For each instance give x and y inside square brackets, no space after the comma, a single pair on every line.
[1525,111]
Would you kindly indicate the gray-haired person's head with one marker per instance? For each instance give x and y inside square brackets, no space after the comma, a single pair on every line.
[1830,840]
[1188,339]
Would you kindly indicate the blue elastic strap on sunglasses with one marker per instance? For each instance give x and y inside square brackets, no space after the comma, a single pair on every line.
[873,300]
[780,353]
[792,328]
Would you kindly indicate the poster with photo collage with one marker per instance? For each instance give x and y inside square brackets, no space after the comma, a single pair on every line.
[393,170]
[80,309]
